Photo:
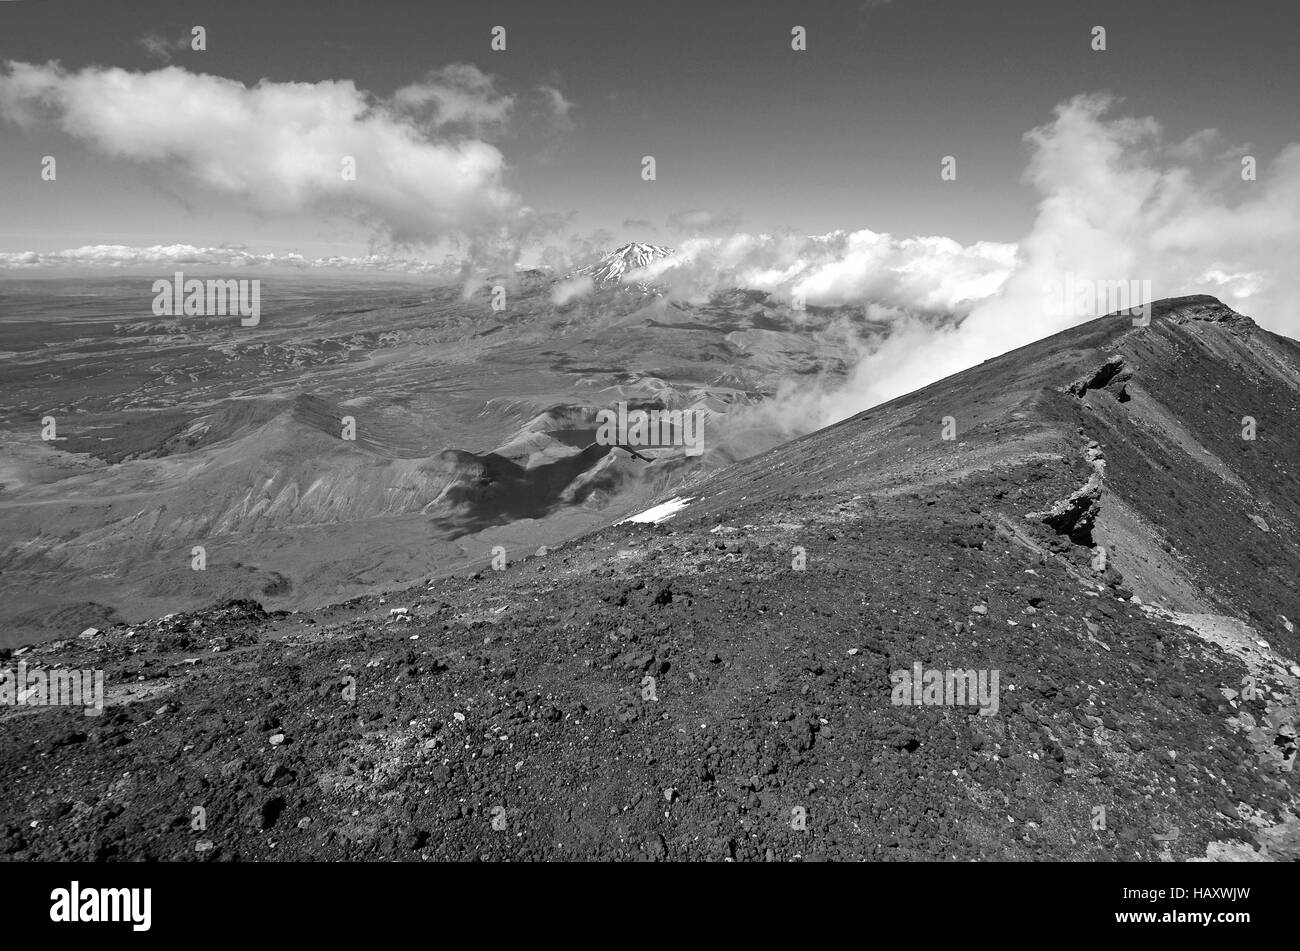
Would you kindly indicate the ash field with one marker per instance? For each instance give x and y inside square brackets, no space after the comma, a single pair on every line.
[475,633]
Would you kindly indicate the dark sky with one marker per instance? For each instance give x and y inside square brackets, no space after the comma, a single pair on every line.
[846,135]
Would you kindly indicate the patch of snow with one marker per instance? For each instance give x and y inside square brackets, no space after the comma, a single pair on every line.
[659,513]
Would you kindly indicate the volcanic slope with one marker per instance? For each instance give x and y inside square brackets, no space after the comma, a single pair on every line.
[718,686]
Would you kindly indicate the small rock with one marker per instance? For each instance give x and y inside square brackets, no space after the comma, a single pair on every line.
[277,739]
[277,775]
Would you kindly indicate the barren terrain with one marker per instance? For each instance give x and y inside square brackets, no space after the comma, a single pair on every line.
[1148,700]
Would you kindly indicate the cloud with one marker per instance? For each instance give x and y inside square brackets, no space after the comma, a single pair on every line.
[928,274]
[456,95]
[231,256]
[164,48]
[913,287]
[565,291]
[556,105]
[1120,204]
[1195,146]
[280,147]
[1117,203]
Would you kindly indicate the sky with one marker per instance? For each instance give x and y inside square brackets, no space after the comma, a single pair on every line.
[917,157]
[747,133]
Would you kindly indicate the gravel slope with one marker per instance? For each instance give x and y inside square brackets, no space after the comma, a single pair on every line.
[508,715]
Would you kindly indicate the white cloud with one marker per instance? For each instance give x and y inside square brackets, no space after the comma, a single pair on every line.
[555,103]
[280,147]
[565,291]
[164,48]
[932,274]
[233,256]
[1117,203]
[456,95]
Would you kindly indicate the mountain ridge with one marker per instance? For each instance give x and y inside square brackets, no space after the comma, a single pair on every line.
[680,690]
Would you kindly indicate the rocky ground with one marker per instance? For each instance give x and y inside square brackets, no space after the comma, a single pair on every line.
[718,686]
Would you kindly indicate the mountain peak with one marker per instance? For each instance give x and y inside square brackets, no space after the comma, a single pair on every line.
[613,265]
[1201,307]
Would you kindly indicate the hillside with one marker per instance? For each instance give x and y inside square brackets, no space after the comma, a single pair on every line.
[1146,706]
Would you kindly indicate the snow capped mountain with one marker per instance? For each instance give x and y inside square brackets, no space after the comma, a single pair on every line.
[612,267]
